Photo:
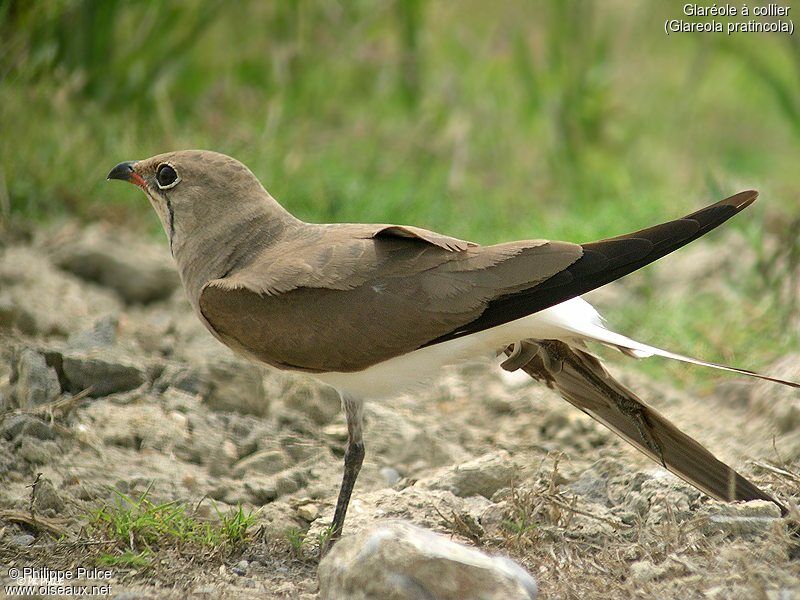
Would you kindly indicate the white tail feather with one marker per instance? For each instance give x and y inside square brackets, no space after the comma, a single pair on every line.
[578,319]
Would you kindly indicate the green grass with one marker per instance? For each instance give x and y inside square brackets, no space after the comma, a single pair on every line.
[126,559]
[139,526]
[573,119]
[299,540]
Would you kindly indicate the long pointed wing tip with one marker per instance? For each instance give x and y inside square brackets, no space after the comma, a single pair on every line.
[743,199]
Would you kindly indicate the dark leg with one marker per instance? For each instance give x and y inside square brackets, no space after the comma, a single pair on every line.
[353,457]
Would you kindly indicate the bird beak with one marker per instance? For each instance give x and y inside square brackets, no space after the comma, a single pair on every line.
[125,171]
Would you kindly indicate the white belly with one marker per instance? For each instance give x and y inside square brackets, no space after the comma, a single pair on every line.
[402,373]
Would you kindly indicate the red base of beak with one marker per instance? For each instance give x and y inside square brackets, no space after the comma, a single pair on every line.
[137,179]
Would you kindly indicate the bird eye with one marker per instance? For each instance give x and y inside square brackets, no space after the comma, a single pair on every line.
[166,177]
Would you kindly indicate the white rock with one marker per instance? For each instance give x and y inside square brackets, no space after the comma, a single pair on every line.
[399,561]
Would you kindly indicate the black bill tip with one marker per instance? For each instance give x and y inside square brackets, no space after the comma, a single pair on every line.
[123,171]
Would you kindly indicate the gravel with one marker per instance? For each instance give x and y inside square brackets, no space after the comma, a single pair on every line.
[493,463]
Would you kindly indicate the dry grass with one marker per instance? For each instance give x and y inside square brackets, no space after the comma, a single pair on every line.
[674,557]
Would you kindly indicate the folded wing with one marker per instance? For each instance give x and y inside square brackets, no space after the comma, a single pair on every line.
[389,290]
[343,298]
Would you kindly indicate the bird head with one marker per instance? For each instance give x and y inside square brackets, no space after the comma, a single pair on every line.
[195,191]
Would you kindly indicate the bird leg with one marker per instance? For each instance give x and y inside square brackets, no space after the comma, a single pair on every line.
[353,457]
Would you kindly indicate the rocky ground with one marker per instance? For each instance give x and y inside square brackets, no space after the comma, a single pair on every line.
[129,439]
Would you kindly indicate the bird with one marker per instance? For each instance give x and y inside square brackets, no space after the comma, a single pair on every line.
[377,309]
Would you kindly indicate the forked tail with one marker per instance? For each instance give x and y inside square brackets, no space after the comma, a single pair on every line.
[581,380]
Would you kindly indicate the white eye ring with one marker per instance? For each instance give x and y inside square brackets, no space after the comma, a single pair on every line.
[172,183]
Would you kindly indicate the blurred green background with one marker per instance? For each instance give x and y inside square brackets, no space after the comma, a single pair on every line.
[572,119]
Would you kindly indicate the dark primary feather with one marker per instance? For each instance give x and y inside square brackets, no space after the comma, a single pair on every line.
[581,380]
[603,262]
